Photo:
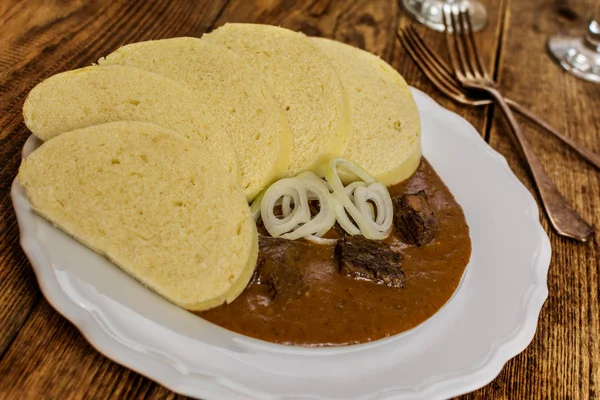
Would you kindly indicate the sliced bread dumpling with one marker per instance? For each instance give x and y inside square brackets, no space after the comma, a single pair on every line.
[386,129]
[303,82]
[230,89]
[96,95]
[156,204]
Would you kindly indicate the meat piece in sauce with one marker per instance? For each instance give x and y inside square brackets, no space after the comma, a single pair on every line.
[369,260]
[280,268]
[414,219]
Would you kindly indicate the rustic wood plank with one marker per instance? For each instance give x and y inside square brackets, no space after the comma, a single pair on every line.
[51,359]
[18,289]
[563,361]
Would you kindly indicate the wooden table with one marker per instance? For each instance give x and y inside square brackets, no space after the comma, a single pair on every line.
[43,355]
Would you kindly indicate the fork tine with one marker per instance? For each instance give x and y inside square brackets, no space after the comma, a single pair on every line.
[430,55]
[467,18]
[467,45]
[458,33]
[447,86]
[439,71]
[450,46]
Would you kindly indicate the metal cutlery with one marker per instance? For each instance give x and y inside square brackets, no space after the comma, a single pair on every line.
[470,76]
[439,73]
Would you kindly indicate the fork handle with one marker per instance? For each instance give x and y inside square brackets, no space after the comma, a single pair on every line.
[588,155]
[562,217]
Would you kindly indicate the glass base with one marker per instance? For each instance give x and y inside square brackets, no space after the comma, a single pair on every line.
[575,55]
[430,12]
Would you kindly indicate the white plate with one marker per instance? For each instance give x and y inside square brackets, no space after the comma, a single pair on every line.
[491,318]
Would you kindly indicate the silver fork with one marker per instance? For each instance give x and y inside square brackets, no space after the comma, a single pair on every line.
[440,74]
[470,72]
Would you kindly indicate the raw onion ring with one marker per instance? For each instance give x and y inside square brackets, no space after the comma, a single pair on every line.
[297,222]
[362,207]
[355,199]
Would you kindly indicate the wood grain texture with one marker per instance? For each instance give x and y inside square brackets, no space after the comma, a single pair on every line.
[563,361]
[43,355]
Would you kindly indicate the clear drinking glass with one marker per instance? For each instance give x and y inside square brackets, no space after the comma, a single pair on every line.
[429,12]
[580,55]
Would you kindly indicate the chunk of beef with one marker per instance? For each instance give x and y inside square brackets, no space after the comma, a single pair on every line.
[414,218]
[370,260]
[280,267]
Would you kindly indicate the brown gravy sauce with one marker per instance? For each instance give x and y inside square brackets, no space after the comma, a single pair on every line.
[338,310]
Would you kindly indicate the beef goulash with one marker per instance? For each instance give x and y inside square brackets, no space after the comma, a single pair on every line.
[270,183]
[358,290]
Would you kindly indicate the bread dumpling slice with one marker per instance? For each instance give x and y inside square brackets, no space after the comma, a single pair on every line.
[154,203]
[304,83]
[228,87]
[97,95]
[386,129]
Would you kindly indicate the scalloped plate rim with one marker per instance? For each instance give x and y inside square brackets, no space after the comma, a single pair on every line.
[179,381]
